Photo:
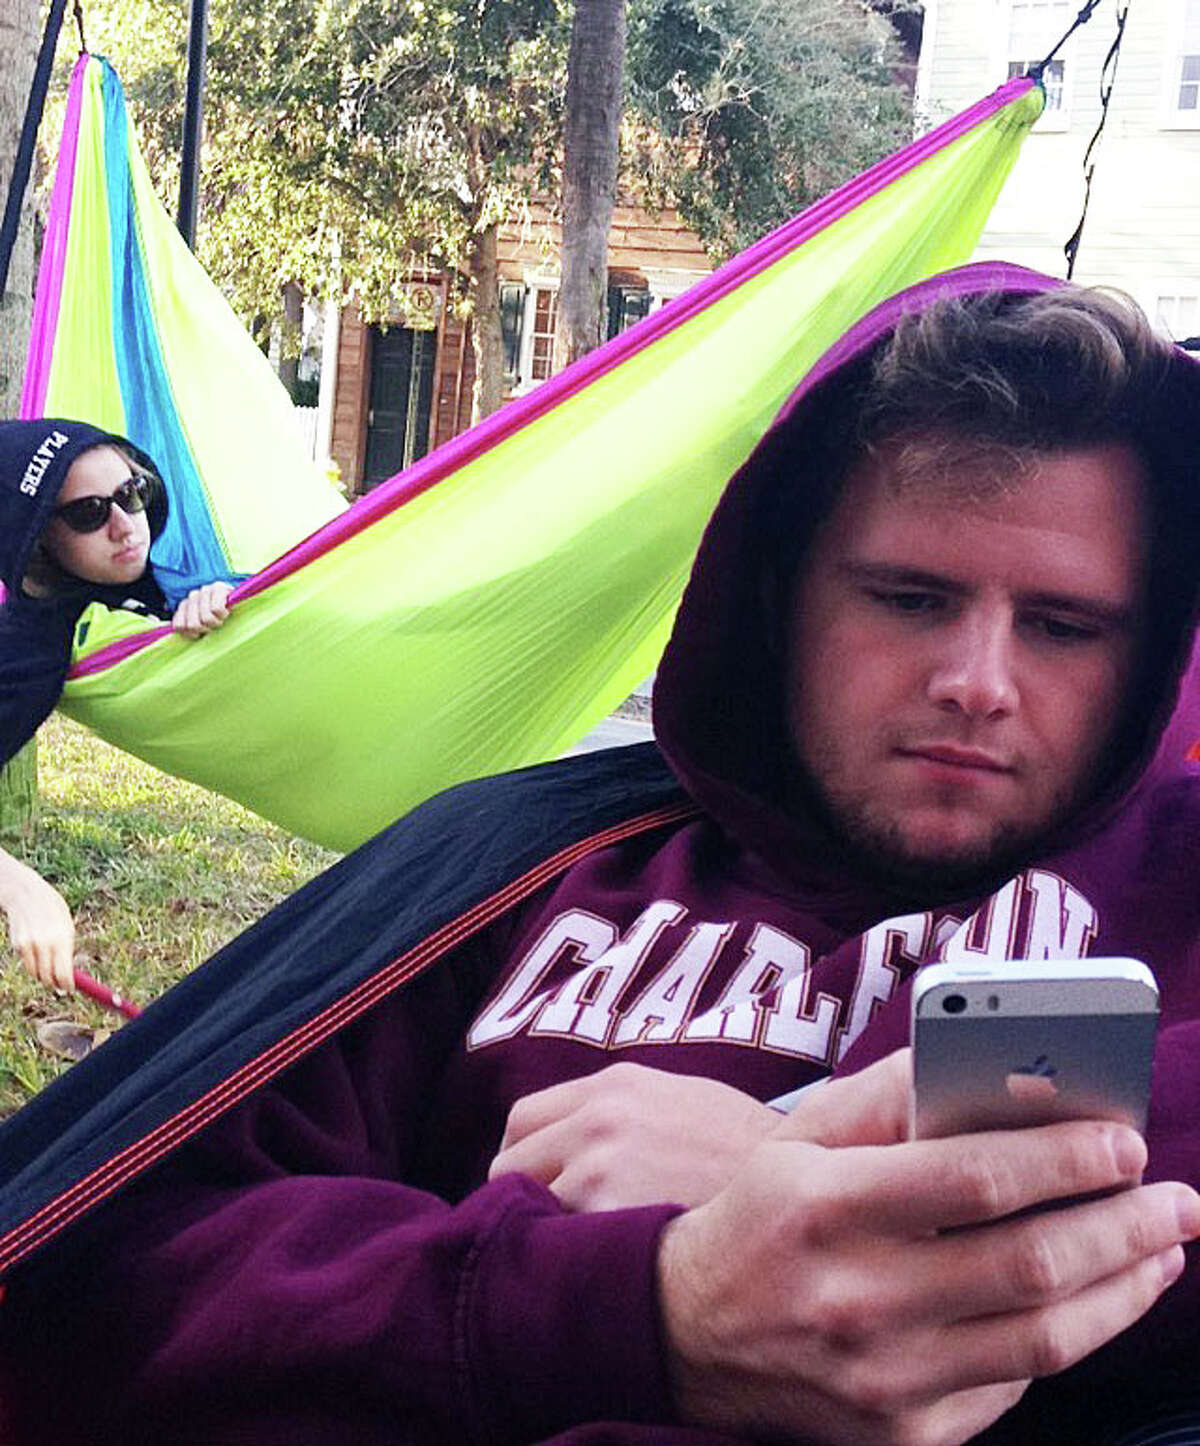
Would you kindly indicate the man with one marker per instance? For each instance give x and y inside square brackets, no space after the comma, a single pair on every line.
[927,697]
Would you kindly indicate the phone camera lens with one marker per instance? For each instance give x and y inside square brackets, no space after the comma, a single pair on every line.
[954,1003]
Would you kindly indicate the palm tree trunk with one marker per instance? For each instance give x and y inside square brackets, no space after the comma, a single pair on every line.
[595,90]
[486,336]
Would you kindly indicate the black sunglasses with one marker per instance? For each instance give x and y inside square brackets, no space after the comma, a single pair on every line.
[89,514]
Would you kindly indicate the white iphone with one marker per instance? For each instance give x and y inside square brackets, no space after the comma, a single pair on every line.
[1027,1043]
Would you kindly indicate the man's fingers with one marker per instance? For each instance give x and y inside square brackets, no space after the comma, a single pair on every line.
[535,1112]
[1042,1342]
[905,1369]
[868,1108]
[996,1173]
[931,1185]
[534,1154]
[1040,1258]
[1011,1267]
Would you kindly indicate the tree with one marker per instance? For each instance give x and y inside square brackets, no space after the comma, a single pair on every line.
[293,316]
[595,100]
[351,141]
[749,111]
[18,52]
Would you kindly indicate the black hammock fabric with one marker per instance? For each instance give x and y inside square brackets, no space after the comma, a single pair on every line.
[346,940]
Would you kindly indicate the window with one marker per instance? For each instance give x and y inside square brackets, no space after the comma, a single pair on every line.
[626,304]
[1034,28]
[1181,70]
[1178,315]
[529,315]
[1187,99]
[512,317]
[545,316]
[1052,81]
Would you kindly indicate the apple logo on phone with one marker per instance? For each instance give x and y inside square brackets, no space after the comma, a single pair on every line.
[1033,1083]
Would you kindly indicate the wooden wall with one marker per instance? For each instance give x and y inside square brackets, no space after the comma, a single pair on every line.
[641,241]
[347,445]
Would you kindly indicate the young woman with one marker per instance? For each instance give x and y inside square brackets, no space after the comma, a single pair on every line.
[79,509]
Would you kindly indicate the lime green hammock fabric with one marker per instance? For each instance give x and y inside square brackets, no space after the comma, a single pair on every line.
[488,606]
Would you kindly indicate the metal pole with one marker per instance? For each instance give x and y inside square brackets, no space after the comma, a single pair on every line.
[193,122]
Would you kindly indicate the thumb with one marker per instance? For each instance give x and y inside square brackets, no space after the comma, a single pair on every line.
[871,1107]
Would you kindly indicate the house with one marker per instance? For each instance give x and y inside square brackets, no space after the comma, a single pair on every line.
[389,395]
[1142,231]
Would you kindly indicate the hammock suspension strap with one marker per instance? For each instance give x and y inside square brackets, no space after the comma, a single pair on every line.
[1081,19]
[1108,76]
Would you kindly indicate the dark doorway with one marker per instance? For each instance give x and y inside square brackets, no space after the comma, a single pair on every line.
[401,397]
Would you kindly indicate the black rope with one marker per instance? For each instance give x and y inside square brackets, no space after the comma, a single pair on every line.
[29,129]
[1081,19]
[1108,76]
[83,50]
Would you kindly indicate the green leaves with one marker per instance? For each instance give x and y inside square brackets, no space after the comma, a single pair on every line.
[752,111]
[345,140]
[349,141]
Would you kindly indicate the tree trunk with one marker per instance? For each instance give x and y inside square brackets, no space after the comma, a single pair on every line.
[486,337]
[18,51]
[19,34]
[289,341]
[595,90]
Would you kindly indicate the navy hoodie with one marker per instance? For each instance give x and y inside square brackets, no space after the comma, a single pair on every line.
[36,634]
[270,1219]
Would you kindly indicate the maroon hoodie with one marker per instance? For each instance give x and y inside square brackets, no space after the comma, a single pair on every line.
[327,1264]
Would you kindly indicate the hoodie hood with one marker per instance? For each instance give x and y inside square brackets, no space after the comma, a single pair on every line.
[718,695]
[35,457]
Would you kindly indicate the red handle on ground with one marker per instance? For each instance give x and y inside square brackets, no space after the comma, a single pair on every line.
[102,994]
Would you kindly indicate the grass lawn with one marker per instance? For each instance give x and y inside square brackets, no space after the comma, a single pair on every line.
[158,873]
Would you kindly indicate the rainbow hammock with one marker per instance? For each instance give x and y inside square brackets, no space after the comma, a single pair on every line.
[485,608]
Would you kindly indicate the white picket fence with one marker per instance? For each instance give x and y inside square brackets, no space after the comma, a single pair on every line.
[306,420]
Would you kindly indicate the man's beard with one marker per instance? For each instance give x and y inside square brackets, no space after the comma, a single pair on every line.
[882,852]
[877,849]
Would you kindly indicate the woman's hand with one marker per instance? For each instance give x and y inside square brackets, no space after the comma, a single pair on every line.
[40,927]
[203,610]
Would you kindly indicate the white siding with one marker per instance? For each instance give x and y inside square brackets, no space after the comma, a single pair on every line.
[1143,226]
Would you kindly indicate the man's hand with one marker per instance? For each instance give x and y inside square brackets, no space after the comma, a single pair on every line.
[630,1135]
[851,1287]
[203,610]
[40,927]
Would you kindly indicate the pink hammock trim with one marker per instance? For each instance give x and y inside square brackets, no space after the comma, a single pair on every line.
[54,257]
